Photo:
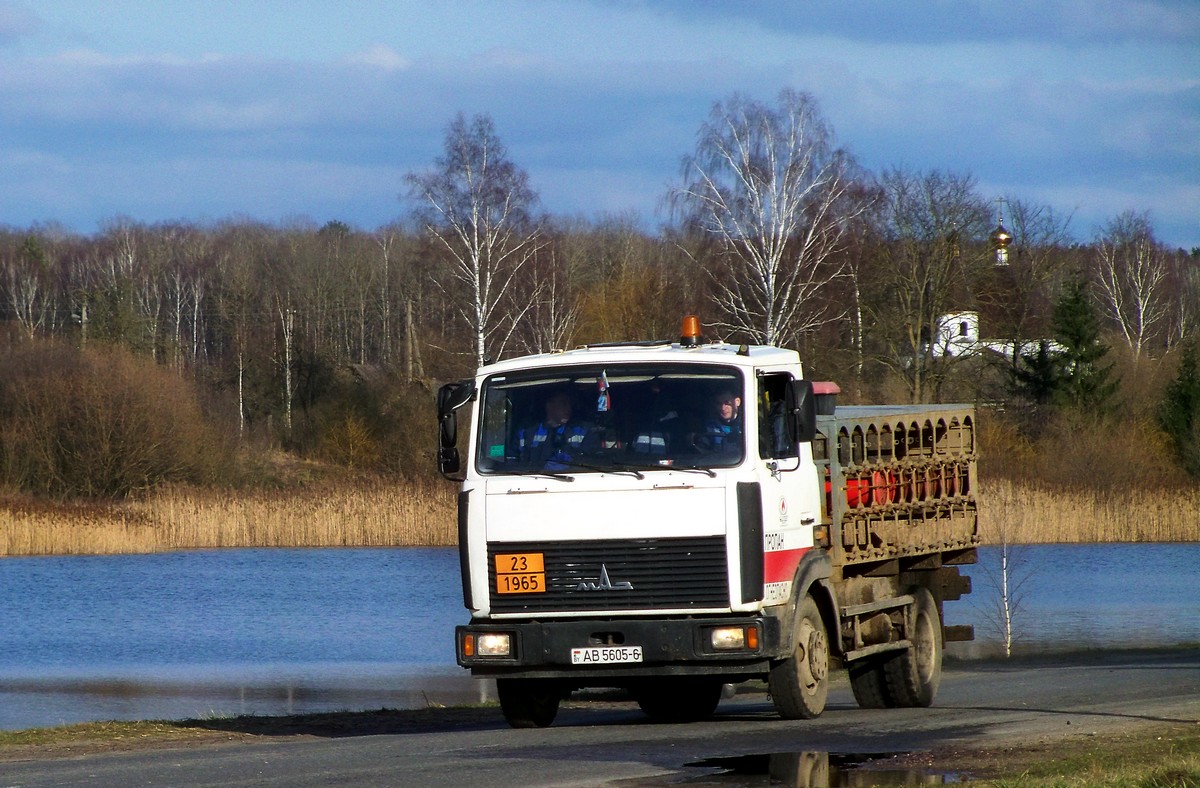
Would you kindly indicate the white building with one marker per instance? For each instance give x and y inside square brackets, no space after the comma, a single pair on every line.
[958,335]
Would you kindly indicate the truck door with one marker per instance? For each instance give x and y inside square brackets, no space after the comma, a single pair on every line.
[788,484]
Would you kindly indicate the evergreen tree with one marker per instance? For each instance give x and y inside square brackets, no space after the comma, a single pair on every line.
[1037,376]
[1067,373]
[1179,413]
[1085,383]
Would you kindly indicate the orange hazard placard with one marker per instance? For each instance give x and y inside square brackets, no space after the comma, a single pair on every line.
[520,573]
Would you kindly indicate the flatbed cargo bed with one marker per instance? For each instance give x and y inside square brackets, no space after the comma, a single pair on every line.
[900,484]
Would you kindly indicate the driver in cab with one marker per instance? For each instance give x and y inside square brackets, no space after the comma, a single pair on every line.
[557,439]
[722,433]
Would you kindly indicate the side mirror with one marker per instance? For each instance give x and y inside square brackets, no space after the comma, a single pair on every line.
[450,398]
[448,462]
[801,411]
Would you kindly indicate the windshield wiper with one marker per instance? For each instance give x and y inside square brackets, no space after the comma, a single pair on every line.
[563,477]
[622,468]
[709,472]
[648,466]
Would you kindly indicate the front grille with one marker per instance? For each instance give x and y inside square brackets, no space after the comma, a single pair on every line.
[666,574]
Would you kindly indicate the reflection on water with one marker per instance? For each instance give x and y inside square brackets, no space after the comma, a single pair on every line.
[215,633]
[1084,597]
[28,703]
[814,770]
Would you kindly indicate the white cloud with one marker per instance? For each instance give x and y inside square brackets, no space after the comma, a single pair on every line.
[382,57]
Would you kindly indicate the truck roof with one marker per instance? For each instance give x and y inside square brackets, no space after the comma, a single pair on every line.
[623,352]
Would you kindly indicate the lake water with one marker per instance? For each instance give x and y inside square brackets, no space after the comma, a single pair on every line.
[215,633]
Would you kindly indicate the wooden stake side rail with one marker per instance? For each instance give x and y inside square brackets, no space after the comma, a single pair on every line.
[900,481]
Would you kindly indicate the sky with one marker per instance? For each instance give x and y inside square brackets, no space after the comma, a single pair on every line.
[165,110]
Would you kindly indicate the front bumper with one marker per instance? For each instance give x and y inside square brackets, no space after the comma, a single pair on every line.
[670,647]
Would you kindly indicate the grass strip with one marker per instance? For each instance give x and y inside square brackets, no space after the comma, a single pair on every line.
[1165,756]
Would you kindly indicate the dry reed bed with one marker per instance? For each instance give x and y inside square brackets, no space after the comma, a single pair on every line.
[365,516]
[1022,514]
[423,513]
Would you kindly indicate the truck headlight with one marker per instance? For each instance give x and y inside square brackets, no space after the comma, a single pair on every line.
[494,644]
[733,638]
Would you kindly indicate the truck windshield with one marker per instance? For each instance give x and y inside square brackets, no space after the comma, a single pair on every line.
[611,418]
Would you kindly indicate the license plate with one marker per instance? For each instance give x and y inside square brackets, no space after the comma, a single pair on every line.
[605,655]
[520,573]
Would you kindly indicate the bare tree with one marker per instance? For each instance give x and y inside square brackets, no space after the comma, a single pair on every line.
[1184,319]
[1008,580]
[287,327]
[628,285]
[184,251]
[767,185]
[1132,271]
[476,203]
[115,282]
[29,283]
[386,240]
[554,312]
[931,234]
[1016,297]
[243,306]
[1026,284]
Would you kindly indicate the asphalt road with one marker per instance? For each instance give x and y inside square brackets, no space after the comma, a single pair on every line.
[980,704]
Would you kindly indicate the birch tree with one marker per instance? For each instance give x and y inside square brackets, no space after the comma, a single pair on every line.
[1184,319]
[768,187]
[476,204]
[29,285]
[244,307]
[116,277]
[554,312]
[1008,579]
[1132,271]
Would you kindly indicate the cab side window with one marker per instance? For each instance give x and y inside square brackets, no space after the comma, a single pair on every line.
[773,441]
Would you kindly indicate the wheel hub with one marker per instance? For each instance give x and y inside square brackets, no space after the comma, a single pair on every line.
[818,655]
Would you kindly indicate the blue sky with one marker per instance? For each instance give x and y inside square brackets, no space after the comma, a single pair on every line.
[171,109]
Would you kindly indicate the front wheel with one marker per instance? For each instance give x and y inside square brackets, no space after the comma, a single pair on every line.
[913,676]
[799,685]
[528,703]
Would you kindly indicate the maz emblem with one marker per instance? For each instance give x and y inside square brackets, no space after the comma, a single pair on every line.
[605,584]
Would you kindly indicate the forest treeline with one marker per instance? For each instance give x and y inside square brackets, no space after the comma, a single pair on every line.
[186,351]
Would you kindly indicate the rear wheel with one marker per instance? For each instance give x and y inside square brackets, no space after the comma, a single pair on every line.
[679,700]
[799,685]
[528,703]
[913,675]
[868,679]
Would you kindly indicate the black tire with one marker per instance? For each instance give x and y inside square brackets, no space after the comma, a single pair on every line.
[528,703]
[868,680]
[799,685]
[913,676]
[679,700]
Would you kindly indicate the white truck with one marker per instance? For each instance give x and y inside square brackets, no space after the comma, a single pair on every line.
[672,517]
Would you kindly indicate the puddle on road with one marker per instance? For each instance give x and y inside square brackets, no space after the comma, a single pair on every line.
[815,770]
